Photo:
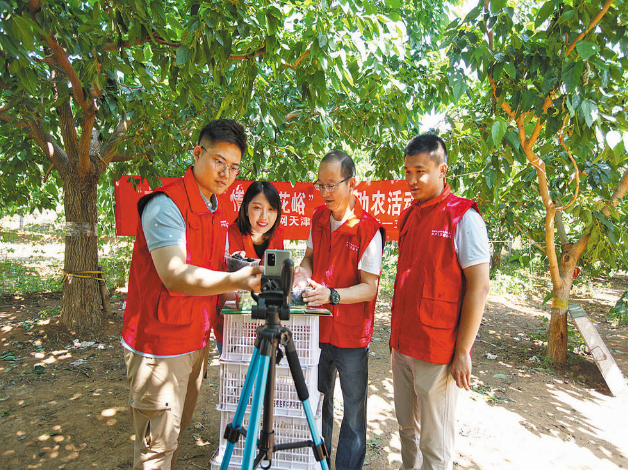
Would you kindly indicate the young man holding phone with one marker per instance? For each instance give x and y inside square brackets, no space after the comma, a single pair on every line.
[175,278]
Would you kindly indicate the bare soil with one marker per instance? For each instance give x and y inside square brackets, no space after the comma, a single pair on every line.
[63,402]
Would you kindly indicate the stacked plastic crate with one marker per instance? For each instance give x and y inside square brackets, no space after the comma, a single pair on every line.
[290,424]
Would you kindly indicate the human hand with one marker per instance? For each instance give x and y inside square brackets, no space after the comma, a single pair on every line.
[319,294]
[248,278]
[460,370]
[300,278]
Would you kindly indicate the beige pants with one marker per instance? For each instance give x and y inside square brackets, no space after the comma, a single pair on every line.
[425,404]
[163,394]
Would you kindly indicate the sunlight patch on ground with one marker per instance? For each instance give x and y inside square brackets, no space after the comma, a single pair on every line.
[530,446]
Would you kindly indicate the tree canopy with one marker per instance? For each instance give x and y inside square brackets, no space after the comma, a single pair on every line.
[539,92]
[95,87]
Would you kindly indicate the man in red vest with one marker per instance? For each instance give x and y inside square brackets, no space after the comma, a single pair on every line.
[342,264]
[175,278]
[438,303]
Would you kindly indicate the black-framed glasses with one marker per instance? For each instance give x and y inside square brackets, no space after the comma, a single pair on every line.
[222,166]
[329,187]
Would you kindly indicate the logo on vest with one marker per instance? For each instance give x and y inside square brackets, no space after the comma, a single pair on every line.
[224,224]
[352,247]
[441,233]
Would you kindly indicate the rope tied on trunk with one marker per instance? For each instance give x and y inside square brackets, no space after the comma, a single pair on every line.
[84,275]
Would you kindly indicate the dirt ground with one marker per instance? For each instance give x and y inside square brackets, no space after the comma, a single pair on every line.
[63,401]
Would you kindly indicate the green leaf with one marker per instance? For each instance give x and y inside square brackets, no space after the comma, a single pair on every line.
[510,70]
[588,110]
[395,4]
[613,138]
[572,73]
[490,177]
[497,5]
[184,53]
[96,11]
[544,13]
[497,131]
[458,84]
[586,49]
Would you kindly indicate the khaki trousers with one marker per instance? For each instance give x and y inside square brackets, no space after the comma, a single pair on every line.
[162,398]
[425,404]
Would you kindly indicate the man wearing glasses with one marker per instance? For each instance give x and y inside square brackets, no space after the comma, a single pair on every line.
[175,278]
[342,264]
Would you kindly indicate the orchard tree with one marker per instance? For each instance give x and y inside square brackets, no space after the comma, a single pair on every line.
[543,88]
[93,87]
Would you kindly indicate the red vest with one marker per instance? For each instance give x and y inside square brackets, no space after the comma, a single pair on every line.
[430,284]
[240,242]
[160,322]
[335,264]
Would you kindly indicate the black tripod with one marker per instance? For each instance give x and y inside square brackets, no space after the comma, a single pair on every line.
[272,305]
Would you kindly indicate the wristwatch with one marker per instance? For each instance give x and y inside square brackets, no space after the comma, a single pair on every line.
[334,296]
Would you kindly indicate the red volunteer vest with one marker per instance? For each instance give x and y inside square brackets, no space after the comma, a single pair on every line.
[157,321]
[430,284]
[335,264]
[240,242]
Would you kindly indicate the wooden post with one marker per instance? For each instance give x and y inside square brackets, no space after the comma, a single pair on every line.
[104,293]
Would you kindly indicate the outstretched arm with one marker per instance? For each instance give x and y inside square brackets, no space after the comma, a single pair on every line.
[183,278]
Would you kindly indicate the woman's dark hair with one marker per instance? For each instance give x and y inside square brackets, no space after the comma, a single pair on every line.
[257,187]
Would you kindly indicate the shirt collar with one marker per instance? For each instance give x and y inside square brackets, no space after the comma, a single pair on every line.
[435,200]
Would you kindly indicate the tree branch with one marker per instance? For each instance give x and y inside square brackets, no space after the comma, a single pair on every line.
[490,34]
[51,148]
[550,246]
[68,129]
[109,149]
[592,25]
[618,194]
[86,140]
[577,172]
[121,157]
[154,37]
[560,227]
[61,58]
[539,125]
[298,61]
[525,234]
[250,55]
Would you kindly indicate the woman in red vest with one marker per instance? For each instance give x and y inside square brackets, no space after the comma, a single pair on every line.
[254,231]
[257,227]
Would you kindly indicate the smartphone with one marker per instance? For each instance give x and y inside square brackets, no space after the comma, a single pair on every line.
[273,262]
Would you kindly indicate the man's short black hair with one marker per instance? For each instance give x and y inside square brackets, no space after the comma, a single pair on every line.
[347,166]
[224,130]
[427,143]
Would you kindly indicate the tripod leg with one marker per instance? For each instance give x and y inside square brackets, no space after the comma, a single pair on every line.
[256,409]
[320,451]
[251,374]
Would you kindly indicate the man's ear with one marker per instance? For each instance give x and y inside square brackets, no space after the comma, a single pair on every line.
[443,169]
[353,183]
[197,153]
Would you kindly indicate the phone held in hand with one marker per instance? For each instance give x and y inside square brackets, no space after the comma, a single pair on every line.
[273,262]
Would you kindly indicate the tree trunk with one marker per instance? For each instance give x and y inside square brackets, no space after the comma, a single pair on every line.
[557,335]
[82,311]
[496,260]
